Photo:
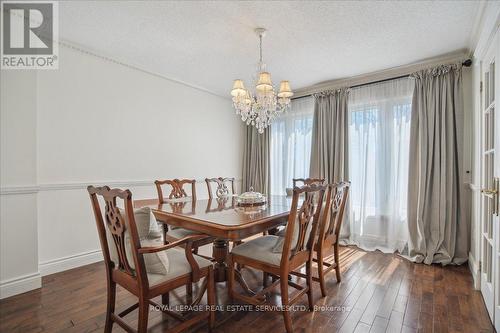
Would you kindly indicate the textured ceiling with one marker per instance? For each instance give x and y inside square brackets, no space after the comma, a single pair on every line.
[208,44]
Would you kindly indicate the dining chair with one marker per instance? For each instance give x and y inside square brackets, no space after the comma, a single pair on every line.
[329,228]
[329,231]
[222,189]
[221,192]
[128,260]
[260,253]
[173,234]
[177,193]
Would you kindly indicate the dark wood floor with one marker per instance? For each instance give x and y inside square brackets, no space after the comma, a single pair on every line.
[379,293]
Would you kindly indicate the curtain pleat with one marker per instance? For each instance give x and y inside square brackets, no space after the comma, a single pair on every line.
[329,150]
[329,144]
[438,231]
[256,165]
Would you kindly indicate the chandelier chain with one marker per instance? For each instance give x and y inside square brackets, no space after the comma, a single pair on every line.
[260,48]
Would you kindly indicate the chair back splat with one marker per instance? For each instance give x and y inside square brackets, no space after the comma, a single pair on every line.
[115,224]
[177,189]
[305,217]
[221,189]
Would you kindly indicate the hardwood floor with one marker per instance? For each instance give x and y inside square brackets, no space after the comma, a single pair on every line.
[378,293]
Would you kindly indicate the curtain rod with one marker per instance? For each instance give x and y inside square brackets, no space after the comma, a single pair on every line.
[466,63]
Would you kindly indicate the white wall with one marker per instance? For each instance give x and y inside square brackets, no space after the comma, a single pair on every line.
[18,178]
[100,122]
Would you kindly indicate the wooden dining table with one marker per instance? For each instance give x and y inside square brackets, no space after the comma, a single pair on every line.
[222,219]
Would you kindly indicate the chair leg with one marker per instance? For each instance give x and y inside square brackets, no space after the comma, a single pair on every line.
[309,285]
[321,274]
[165,299]
[284,303]
[189,293]
[230,278]
[236,243]
[265,277]
[336,256]
[143,315]
[110,307]
[211,298]
[165,230]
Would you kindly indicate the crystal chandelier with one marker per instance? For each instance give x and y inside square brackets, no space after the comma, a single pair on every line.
[262,106]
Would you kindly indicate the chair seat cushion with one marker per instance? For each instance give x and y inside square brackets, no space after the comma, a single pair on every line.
[178,266]
[260,249]
[179,233]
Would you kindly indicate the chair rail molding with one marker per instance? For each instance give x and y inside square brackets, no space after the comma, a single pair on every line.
[30,189]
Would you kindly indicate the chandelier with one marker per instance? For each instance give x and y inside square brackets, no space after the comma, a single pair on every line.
[259,108]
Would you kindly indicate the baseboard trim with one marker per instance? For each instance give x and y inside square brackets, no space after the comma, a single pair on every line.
[474,269]
[20,285]
[69,262]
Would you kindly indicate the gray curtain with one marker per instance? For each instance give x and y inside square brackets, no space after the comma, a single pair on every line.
[438,230]
[330,136]
[329,150]
[256,160]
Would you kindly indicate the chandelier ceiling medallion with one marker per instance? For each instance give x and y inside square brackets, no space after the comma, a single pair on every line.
[260,107]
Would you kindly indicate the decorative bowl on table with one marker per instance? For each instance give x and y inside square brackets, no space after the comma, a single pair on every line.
[251,198]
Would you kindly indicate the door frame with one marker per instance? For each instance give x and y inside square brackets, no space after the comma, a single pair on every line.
[488,38]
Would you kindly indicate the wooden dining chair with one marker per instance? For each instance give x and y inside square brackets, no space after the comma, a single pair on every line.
[173,234]
[329,231]
[260,253]
[126,261]
[221,189]
[177,191]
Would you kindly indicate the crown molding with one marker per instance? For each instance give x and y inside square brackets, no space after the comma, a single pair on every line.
[389,73]
[487,26]
[477,25]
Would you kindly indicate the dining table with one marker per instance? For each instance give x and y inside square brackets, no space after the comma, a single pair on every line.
[223,219]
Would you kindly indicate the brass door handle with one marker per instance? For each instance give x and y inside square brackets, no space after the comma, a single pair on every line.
[493,194]
[489,191]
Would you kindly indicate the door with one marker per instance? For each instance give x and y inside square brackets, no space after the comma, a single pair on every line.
[490,229]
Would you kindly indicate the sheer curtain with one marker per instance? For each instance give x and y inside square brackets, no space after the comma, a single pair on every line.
[379,134]
[291,145]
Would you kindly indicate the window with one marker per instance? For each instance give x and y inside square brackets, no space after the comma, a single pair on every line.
[291,145]
[379,136]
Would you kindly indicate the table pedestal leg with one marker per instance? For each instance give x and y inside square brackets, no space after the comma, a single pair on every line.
[239,278]
[220,252]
